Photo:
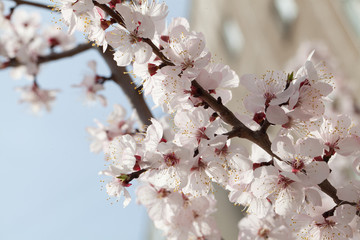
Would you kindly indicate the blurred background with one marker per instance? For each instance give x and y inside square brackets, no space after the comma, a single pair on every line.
[49,182]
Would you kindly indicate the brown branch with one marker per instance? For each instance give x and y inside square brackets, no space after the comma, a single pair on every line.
[329,189]
[239,129]
[34,4]
[156,50]
[124,81]
[51,57]
[69,53]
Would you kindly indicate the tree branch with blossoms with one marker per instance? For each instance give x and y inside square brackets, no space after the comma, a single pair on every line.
[239,129]
[280,182]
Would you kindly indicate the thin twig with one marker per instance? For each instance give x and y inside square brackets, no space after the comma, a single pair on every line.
[34,4]
[117,17]
[51,57]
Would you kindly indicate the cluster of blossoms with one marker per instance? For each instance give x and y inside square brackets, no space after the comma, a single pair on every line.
[293,187]
[22,46]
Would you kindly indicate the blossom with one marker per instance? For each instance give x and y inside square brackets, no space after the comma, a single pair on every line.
[37,98]
[267,92]
[285,194]
[128,41]
[195,127]
[335,135]
[92,84]
[272,227]
[118,184]
[218,79]
[76,14]
[185,49]
[311,89]
[319,227]
[170,165]
[299,159]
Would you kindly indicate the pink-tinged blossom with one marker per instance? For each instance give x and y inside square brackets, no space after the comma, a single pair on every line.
[96,30]
[170,166]
[335,134]
[123,154]
[194,127]
[55,37]
[186,49]
[272,227]
[217,79]
[311,88]
[285,194]
[25,24]
[128,42]
[240,178]
[147,73]
[172,92]
[117,125]
[36,97]
[210,166]
[154,135]
[298,159]
[93,83]
[319,228]
[117,185]
[193,221]
[160,203]
[155,10]
[99,137]
[267,92]
[77,14]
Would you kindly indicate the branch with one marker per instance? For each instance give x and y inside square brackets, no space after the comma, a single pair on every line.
[239,129]
[34,4]
[124,81]
[112,13]
[329,189]
[51,57]
[166,61]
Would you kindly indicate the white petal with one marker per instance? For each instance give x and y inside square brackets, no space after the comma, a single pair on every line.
[311,147]
[276,115]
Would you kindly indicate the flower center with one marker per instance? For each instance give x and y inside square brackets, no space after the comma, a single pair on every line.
[268,97]
[297,165]
[170,159]
[200,133]
[263,232]
[284,182]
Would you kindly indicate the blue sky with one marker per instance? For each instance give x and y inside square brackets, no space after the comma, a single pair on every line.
[48,178]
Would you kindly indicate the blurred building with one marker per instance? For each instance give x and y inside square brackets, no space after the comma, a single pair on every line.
[253,36]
